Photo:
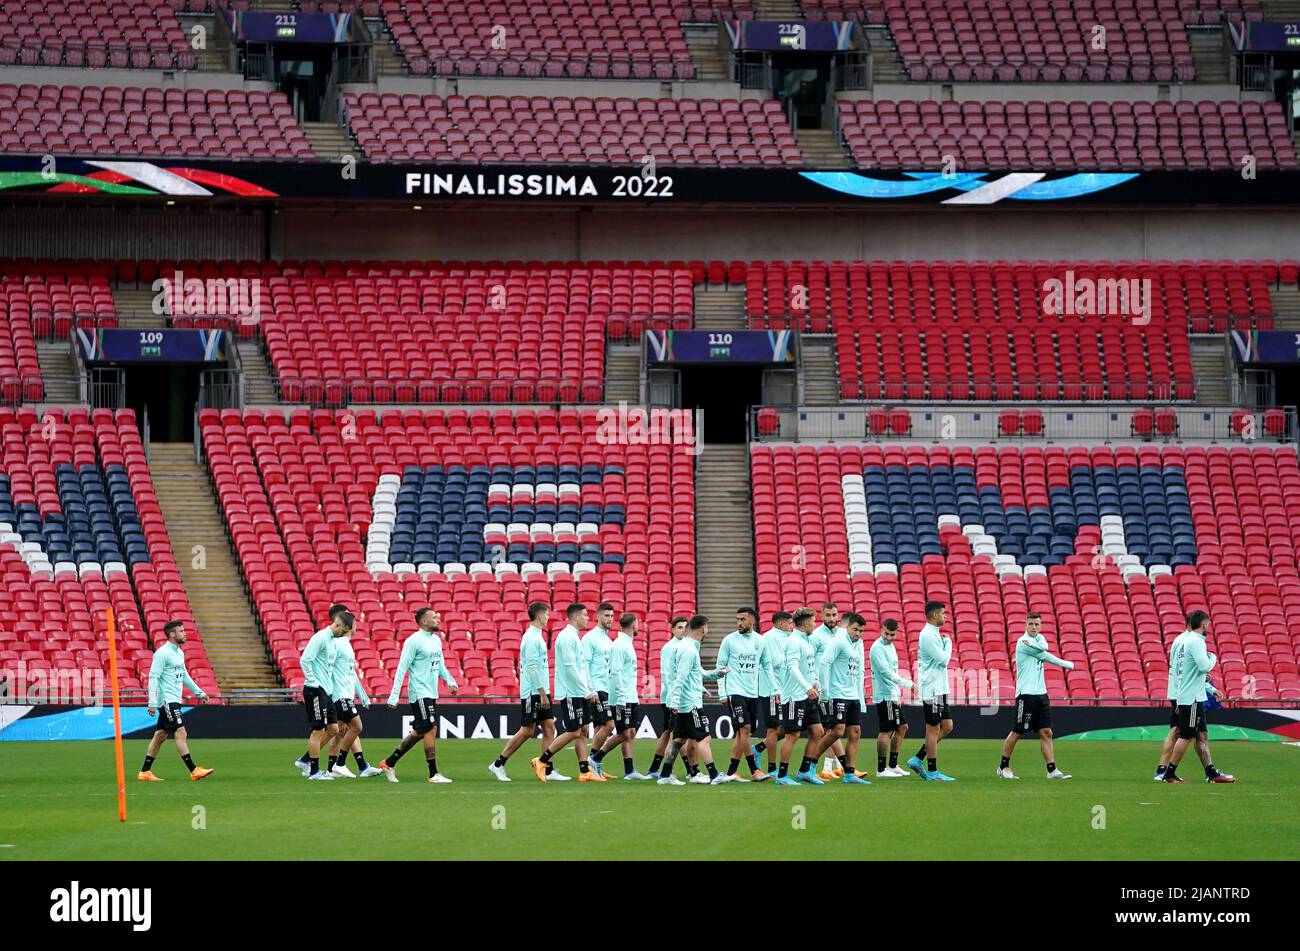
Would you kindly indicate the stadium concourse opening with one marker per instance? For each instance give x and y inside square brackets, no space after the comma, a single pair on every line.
[721,397]
[166,396]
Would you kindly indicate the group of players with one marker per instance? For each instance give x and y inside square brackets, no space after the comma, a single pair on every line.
[797,677]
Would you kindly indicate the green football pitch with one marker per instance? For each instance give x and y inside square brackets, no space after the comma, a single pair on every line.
[58,801]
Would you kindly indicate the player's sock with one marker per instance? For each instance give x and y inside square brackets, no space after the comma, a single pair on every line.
[628,765]
[305,758]
[583,766]
[189,762]
[893,759]
[433,766]
[1051,767]
[148,764]
[713,771]
[1211,772]
[361,761]
[760,746]
[314,765]
[1171,770]
[500,761]
[752,763]
[932,764]
[880,764]
[1160,769]
[655,764]
[692,769]
[785,769]
[1006,761]
[805,764]
[550,768]
[546,757]
[920,754]
[333,760]
[732,767]
[771,766]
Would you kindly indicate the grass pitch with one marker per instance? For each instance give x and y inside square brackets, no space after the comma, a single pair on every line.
[58,801]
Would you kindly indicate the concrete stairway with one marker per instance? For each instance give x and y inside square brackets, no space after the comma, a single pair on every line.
[719,308]
[705,54]
[1208,53]
[1281,11]
[623,373]
[724,538]
[1286,307]
[259,380]
[209,59]
[328,140]
[776,10]
[1212,386]
[216,590]
[135,309]
[821,149]
[886,64]
[388,61]
[58,372]
[819,373]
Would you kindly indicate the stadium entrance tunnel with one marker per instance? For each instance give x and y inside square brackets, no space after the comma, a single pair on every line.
[721,396]
[166,394]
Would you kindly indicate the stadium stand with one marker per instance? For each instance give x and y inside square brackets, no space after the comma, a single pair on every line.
[495,509]
[80,530]
[1111,544]
[180,123]
[143,34]
[1081,135]
[582,130]
[978,330]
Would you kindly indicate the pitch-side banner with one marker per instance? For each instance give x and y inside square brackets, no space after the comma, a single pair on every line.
[648,184]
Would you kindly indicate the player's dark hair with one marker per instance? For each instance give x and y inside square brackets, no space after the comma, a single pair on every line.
[537,609]
[854,618]
[421,613]
[932,606]
[626,620]
[803,614]
[697,622]
[604,606]
[678,619]
[779,616]
[337,609]
[1033,616]
[890,624]
[171,626]
[1196,619]
[830,604]
[750,611]
[573,610]
[348,619]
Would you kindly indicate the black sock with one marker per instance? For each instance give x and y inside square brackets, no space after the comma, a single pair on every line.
[1006,761]
[760,746]
[628,765]
[583,767]
[752,763]
[880,764]
[550,768]
[893,759]
[394,756]
[932,764]
[805,764]
[1211,772]
[361,761]
[333,759]
[500,761]
[1051,767]
[314,765]
[305,758]
[1161,767]
[148,764]
[785,769]
[188,761]
[433,766]
[546,757]
[598,755]
[713,770]
[920,754]
[732,767]
[692,769]
[1170,770]
[655,764]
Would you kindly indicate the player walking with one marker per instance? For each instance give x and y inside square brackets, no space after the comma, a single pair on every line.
[886,692]
[1033,709]
[534,692]
[574,697]
[741,653]
[934,651]
[168,679]
[422,662]
[623,699]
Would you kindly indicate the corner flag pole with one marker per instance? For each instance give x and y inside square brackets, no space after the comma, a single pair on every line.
[117,716]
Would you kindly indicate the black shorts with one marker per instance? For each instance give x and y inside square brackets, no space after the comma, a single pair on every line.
[1033,713]
[426,715]
[848,712]
[600,712]
[889,714]
[345,710]
[320,708]
[824,710]
[667,719]
[571,715]
[1191,721]
[532,712]
[691,726]
[936,710]
[797,715]
[169,718]
[744,711]
[771,713]
[628,718]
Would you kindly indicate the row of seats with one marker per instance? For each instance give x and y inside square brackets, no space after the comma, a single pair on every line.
[1091,136]
[522,129]
[81,531]
[1112,545]
[144,34]
[454,487]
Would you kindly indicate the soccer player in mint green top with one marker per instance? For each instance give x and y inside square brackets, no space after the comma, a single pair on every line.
[318,680]
[422,665]
[933,651]
[800,692]
[770,672]
[168,679]
[574,698]
[345,691]
[667,656]
[821,637]
[623,698]
[534,691]
[843,666]
[886,693]
[596,645]
[741,652]
[1033,708]
[686,695]
[1190,663]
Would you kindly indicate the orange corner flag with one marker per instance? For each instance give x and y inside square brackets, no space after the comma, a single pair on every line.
[117,716]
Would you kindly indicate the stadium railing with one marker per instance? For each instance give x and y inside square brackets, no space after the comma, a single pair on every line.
[585,65]
[821,321]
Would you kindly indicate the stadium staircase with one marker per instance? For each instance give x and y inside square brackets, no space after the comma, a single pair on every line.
[724,533]
[135,309]
[328,140]
[209,59]
[623,373]
[216,591]
[1211,378]
[259,381]
[821,148]
[719,308]
[776,10]
[58,372]
[818,371]
[703,44]
[1208,53]
[388,61]
[886,64]
[1281,11]
[1286,308]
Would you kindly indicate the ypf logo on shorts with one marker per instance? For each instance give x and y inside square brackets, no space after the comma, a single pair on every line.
[74,905]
